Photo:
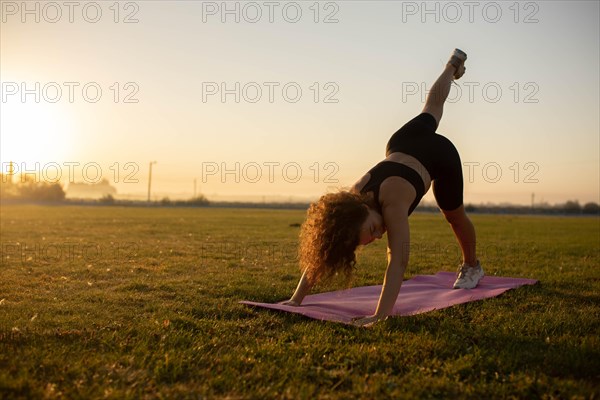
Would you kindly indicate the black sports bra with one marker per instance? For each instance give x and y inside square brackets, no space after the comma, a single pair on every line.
[384,170]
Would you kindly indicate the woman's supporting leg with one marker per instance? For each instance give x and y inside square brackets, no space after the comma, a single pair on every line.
[465,234]
[470,272]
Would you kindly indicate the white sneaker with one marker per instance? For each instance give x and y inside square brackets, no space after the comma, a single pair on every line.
[468,276]
[457,60]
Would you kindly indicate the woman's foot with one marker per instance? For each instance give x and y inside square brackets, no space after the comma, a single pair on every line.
[468,276]
[457,60]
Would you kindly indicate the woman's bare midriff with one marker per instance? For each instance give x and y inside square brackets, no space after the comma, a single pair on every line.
[400,158]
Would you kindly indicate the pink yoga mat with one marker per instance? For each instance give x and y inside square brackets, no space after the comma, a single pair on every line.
[420,294]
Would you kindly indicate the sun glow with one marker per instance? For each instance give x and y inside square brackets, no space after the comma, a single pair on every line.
[34,132]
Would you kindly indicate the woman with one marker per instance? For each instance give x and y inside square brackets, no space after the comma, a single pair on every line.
[383,199]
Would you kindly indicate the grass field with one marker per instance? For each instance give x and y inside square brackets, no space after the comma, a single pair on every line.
[109,302]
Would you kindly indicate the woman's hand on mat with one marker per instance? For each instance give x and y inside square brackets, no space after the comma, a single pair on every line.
[367,321]
[290,303]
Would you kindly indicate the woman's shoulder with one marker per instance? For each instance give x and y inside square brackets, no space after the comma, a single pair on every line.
[360,184]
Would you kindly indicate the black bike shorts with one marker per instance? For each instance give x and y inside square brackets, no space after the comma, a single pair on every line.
[437,154]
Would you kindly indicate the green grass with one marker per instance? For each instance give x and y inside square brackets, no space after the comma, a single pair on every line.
[111,302]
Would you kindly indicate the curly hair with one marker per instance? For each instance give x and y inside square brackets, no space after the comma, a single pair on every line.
[331,233]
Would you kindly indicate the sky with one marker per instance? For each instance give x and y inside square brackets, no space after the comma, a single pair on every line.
[288,100]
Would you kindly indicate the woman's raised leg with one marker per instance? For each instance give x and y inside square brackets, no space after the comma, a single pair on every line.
[438,94]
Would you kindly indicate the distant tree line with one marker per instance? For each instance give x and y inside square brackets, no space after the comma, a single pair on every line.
[27,189]
[197,201]
[571,207]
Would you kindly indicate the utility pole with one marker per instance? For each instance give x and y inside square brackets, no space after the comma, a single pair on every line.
[532,197]
[150,179]
[11,171]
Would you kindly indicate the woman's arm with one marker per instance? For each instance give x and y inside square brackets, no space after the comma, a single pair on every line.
[398,253]
[302,290]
